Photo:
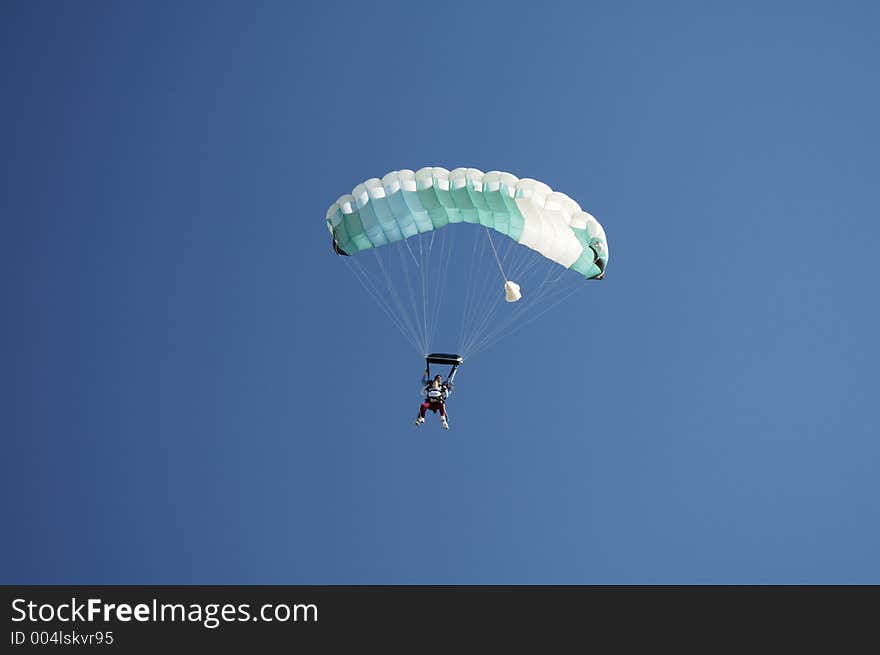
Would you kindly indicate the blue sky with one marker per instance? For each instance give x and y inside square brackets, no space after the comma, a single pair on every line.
[197,391]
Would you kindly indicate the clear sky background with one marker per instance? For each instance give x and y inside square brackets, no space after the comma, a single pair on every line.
[195,390]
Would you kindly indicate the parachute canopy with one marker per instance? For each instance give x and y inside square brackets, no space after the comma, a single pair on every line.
[418,239]
[403,204]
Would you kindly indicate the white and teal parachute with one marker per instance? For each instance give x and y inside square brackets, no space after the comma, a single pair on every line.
[482,241]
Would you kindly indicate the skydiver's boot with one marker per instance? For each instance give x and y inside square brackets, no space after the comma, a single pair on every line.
[444,423]
[419,421]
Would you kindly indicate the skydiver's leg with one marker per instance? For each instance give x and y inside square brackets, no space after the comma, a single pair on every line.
[443,420]
[421,418]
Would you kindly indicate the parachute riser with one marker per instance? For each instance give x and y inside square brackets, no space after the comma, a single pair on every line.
[443,358]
